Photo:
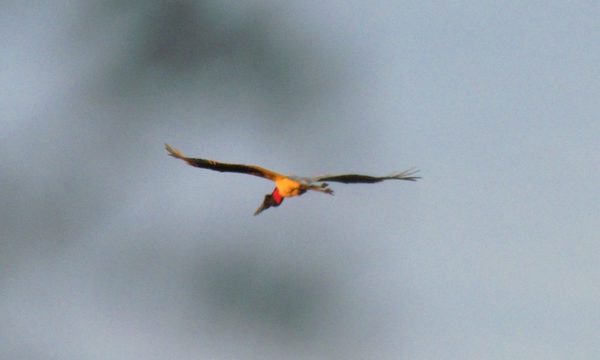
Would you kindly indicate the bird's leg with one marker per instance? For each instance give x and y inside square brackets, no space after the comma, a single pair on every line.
[321,188]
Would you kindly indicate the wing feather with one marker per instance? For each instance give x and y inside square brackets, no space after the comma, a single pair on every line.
[224,167]
[408,175]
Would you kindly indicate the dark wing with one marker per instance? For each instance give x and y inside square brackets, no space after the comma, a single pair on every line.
[366,179]
[222,167]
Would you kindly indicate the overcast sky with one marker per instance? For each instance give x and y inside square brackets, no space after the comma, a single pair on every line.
[109,249]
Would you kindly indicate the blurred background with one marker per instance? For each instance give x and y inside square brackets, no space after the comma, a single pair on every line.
[109,249]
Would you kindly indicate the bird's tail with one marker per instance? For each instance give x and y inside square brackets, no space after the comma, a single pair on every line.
[174,152]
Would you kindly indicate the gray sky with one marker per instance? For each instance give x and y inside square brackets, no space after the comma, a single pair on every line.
[111,249]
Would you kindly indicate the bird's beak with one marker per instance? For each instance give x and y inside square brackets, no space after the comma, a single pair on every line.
[267,203]
[262,207]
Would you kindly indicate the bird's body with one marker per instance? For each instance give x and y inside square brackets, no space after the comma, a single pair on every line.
[287,186]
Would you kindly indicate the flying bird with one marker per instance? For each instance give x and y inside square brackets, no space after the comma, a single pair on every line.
[289,186]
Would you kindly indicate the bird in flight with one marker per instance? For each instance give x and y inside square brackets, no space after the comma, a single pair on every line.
[289,186]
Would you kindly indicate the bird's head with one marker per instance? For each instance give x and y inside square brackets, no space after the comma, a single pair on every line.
[271,200]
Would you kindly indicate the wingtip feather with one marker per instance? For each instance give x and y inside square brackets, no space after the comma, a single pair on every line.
[174,152]
[407,175]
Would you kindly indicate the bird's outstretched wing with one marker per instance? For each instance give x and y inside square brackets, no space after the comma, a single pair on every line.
[408,175]
[223,167]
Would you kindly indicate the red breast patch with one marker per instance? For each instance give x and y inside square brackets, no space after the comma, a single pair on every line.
[277,196]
